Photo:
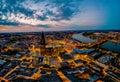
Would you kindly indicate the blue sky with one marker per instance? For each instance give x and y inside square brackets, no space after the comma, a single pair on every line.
[54,15]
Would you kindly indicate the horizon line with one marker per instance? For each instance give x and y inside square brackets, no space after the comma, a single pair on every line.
[64,31]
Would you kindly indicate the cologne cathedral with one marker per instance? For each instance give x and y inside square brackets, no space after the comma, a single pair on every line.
[47,51]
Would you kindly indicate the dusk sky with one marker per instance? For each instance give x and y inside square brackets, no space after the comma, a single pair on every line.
[55,15]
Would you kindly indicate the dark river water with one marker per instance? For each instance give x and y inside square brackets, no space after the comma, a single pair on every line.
[111,46]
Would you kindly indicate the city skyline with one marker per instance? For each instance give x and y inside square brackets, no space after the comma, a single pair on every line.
[57,15]
[64,56]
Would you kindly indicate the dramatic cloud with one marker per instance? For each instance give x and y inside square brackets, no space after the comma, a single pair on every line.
[58,14]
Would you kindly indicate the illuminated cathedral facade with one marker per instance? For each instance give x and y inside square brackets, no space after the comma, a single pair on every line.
[46,51]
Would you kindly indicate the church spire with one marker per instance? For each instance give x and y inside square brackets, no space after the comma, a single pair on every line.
[42,42]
